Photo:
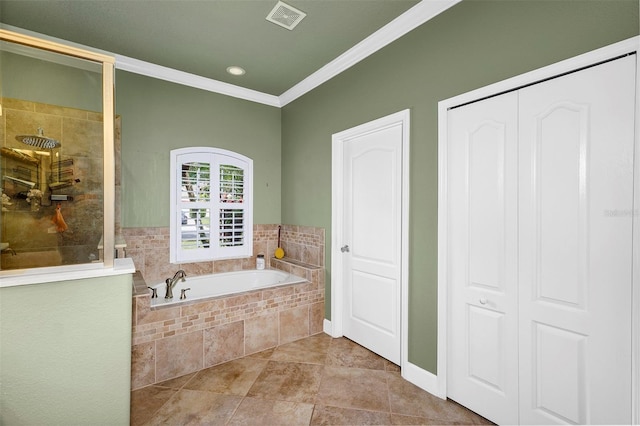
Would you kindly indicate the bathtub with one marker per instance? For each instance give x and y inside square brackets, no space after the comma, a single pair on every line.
[224,284]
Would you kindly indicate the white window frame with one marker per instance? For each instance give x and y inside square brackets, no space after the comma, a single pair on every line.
[215,157]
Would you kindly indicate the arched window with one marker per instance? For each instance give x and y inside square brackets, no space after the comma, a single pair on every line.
[211,205]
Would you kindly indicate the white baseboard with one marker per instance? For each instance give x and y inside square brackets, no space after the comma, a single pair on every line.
[326,327]
[422,379]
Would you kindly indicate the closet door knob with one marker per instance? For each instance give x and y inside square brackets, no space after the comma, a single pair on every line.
[483,300]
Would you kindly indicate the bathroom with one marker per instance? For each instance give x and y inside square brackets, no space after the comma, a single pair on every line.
[157,116]
[52,216]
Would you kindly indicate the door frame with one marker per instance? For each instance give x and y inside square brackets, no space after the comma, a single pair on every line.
[335,328]
[629,46]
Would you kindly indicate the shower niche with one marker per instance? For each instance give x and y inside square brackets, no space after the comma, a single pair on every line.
[56,171]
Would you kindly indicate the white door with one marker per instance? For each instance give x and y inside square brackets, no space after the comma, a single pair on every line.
[371,238]
[483,233]
[541,250]
[576,202]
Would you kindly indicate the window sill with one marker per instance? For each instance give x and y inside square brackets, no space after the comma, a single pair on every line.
[47,275]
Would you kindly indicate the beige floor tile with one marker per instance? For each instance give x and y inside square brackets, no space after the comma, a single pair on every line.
[288,381]
[316,343]
[345,353]
[279,386]
[312,350]
[389,366]
[323,415]
[253,411]
[146,401]
[354,388]
[397,419]
[177,383]
[262,355]
[465,416]
[231,378]
[189,407]
[407,399]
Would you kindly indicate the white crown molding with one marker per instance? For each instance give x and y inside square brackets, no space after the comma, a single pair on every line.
[411,19]
[148,69]
[136,66]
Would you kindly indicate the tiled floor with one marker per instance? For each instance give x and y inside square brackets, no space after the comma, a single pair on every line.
[314,381]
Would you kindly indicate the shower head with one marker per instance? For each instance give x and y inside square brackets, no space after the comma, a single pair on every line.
[39,140]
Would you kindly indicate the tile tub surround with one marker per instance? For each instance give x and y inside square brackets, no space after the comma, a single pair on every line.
[303,245]
[171,341]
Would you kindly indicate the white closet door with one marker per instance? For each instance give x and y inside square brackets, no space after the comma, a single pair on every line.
[483,345]
[575,209]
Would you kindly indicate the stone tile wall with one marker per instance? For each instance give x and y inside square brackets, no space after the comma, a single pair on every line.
[172,341]
[149,248]
[303,244]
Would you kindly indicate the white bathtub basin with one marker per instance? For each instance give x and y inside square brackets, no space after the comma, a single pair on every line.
[224,284]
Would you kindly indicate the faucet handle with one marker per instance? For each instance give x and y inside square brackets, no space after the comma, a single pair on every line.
[154,292]
[183,292]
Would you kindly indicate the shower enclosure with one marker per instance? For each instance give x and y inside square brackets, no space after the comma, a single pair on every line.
[57,182]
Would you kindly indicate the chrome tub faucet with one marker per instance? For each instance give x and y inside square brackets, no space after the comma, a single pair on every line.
[171,282]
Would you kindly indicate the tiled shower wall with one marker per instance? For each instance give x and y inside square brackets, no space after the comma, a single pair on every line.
[27,229]
[172,341]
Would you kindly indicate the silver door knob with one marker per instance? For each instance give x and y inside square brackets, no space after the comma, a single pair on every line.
[344,249]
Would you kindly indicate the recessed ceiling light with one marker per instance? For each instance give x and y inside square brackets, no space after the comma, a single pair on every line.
[234,70]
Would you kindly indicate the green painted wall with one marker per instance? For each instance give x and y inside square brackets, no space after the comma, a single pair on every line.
[158,116]
[471,45]
[65,352]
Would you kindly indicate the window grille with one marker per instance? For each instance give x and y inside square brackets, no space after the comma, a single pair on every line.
[195,230]
[231,228]
[196,182]
[231,184]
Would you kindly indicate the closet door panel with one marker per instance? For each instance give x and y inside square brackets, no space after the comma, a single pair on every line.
[559,163]
[483,303]
[575,185]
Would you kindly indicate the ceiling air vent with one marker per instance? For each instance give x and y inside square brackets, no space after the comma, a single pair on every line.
[286,16]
